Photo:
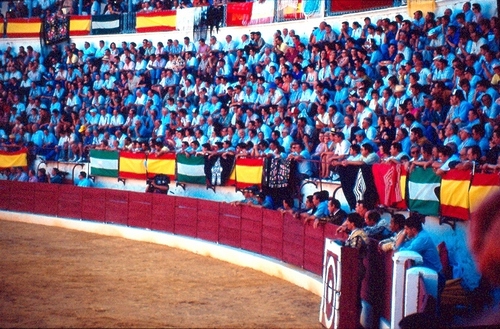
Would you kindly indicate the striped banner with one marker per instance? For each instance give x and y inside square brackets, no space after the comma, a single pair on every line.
[13,159]
[156,21]
[248,172]
[455,194]
[164,164]
[482,186]
[423,197]
[23,27]
[79,25]
[104,163]
[132,165]
[106,24]
[191,169]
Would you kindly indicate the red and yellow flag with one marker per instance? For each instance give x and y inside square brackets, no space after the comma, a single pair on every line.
[156,21]
[481,187]
[13,159]
[132,165]
[163,164]
[247,172]
[79,25]
[455,194]
[23,27]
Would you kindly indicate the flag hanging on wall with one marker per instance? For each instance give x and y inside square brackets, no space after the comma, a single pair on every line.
[423,191]
[55,29]
[132,165]
[248,172]
[238,14]
[482,186]
[455,194]
[13,159]
[191,169]
[104,163]
[163,164]
[106,24]
[156,21]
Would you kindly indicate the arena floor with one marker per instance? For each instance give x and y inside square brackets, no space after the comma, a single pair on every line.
[54,277]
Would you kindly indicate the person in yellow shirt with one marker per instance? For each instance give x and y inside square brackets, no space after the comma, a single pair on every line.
[495,80]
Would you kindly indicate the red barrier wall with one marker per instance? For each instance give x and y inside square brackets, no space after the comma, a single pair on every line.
[267,232]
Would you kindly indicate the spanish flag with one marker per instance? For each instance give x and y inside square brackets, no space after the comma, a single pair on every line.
[482,186]
[247,172]
[156,21]
[132,165]
[79,25]
[13,159]
[163,164]
[23,27]
[455,194]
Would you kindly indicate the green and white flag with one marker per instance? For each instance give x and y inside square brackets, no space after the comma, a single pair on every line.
[104,163]
[423,191]
[106,24]
[191,169]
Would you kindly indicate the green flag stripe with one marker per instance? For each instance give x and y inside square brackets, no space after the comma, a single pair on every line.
[104,154]
[104,172]
[423,191]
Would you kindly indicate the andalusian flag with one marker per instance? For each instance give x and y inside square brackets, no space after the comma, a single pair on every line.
[104,163]
[106,24]
[191,169]
[248,172]
[455,194]
[13,159]
[164,164]
[482,186]
[423,191]
[132,165]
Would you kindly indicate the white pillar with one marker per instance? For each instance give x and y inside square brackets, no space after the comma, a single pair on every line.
[414,288]
[398,283]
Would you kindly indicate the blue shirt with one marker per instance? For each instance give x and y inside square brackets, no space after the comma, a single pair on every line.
[423,244]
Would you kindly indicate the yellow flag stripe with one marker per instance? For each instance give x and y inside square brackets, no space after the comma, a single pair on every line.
[455,193]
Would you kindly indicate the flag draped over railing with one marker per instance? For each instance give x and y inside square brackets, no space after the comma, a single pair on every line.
[132,165]
[238,14]
[481,186]
[13,159]
[387,179]
[104,163]
[191,169]
[248,172]
[163,164]
[455,194]
[157,21]
[106,24]
[423,191]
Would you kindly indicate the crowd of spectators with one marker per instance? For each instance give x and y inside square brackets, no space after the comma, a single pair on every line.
[422,91]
